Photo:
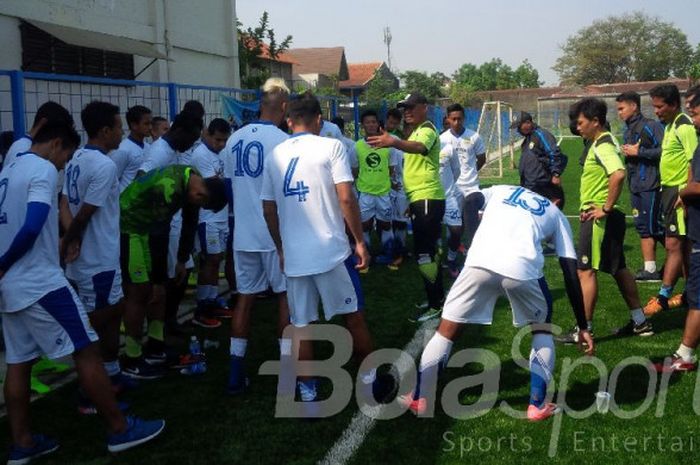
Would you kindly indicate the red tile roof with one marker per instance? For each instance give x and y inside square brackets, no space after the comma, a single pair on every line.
[265,53]
[360,74]
[319,60]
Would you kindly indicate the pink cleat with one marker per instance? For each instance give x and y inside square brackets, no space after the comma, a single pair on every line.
[542,413]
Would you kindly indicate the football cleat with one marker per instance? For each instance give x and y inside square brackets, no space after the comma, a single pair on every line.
[417,406]
[676,363]
[535,413]
[643,329]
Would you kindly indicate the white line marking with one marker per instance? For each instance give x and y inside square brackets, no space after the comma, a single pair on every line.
[360,425]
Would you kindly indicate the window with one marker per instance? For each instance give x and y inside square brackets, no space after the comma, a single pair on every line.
[45,53]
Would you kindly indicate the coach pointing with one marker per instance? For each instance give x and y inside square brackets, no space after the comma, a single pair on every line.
[421,180]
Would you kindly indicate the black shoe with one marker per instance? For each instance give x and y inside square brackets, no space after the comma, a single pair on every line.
[570,337]
[643,329]
[646,277]
[137,368]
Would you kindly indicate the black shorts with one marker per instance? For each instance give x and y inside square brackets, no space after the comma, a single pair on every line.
[426,216]
[692,284]
[551,192]
[674,219]
[646,209]
[158,244]
[600,244]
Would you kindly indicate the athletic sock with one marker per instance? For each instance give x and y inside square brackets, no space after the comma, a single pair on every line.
[366,237]
[541,366]
[112,368]
[369,376]
[238,346]
[650,266]
[435,354]
[666,291]
[133,347]
[638,316]
[451,255]
[213,292]
[285,346]
[686,353]
[155,330]
[307,390]
[387,236]
[400,234]
[202,292]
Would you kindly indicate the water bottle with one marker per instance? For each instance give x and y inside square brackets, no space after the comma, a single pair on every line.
[195,347]
[200,366]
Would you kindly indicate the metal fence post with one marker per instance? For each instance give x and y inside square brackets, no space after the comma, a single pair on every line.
[17,92]
[356,113]
[173,106]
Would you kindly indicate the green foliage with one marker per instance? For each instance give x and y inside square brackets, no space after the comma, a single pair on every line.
[495,74]
[630,47]
[462,94]
[381,88]
[251,43]
[430,85]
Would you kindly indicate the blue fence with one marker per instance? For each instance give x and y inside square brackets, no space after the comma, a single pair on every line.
[21,94]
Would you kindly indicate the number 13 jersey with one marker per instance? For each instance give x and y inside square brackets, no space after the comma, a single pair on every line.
[300,176]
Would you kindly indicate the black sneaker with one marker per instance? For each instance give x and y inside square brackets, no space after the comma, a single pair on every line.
[643,329]
[569,337]
[644,276]
[139,369]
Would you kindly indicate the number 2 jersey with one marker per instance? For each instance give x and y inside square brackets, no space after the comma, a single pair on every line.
[244,158]
[300,177]
[514,224]
[29,178]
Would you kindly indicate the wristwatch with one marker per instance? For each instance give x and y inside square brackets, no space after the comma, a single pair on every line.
[607,212]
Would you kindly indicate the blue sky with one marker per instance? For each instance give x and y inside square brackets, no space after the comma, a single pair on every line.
[446,34]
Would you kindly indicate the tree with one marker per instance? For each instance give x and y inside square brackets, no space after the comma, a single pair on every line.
[251,45]
[631,47]
[380,88]
[429,85]
[494,74]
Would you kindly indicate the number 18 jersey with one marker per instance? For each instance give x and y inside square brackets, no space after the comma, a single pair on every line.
[244,160]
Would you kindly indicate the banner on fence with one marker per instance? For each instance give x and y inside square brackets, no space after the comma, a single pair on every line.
[238,112]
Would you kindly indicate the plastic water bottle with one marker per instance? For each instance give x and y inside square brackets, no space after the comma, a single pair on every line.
[195,347]
[200,366]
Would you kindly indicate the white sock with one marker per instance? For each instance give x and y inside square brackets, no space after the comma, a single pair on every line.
[451,255]
[285,346]
[401,234]
[436,351]
[238,346]
[202,292]
[387,236]
[686,353]
[365,235]
[369,377]
[112,368]
[638,316]
[650,266]
[213,292]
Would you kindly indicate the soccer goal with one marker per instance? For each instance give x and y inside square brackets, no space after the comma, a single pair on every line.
[494,129]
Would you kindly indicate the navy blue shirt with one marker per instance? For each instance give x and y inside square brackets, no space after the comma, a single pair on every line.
[693,206]
[643,170]
[540,159]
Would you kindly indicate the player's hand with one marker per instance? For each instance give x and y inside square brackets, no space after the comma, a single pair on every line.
[593,213]
[383,140]
[631,150]
[180,273]
[556,181]
[70,252]
[585,342]
[362,256]
[679,202]
[280,254]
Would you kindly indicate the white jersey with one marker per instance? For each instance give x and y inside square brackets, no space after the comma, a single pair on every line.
[210,165]
[29,178]
[466,147]
[91,177]
[449,169]
[128,159]
[398,168]
[331,130]
[245,155]
[301,177]
[159,155]
[515,223]
[21,145]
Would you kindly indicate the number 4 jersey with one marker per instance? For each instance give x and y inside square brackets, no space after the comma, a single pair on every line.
[300,176]
[244,159]
[514,224]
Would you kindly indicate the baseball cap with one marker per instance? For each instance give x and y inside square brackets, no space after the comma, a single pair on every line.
[411,100]
[520,119]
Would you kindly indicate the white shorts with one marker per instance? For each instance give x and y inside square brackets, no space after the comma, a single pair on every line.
[212,237]
[338,289]
[100,291]
[173,244]
[399,206]
[453,212]
[55,326]
[374,206]
[256,271]
[474,294]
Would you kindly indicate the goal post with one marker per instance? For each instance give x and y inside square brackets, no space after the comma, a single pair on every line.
[494,130]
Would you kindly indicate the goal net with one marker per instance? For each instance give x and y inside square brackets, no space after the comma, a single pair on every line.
[494,129]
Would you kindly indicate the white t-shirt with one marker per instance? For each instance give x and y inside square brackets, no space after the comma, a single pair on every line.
[128,158]
[159,155]
[331,130]
[398,169]
[91,177]
[21,145]
[466,146]
[210,165]
[515,223]
[449,169]
[245,155]
[29,179]
[301,177]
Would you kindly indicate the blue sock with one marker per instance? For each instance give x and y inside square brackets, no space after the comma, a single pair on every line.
[538,390]
[237,373]
[666,291]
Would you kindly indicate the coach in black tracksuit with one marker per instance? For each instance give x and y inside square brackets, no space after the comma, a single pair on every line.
[541,161]
[642,151]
